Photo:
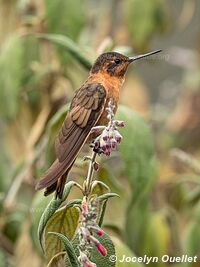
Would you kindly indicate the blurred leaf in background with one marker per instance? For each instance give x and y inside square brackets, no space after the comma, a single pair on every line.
[46,50]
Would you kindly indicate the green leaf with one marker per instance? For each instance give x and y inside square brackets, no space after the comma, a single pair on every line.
[68,248]
[101,261]
[144,18]
[192,235]
[11,57]
[121,250]
[137,221]
[53,127]
[69,24]
[107,196]
[102,213]
[51,208]
[137,152]
[157,238]
[70,46]
[99,188]
[38,207]
[4,259]
[70,20]
[102,205]
[64,221]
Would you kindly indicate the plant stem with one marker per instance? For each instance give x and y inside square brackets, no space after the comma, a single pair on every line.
[88,181]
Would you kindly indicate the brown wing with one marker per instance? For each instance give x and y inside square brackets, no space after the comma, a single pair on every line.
[85,110]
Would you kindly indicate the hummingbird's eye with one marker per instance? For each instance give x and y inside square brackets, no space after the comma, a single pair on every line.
[117,61]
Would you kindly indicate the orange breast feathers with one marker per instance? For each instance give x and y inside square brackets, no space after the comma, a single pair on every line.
[112,86]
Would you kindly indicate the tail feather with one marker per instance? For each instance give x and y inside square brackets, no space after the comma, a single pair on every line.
[51,176]
[50,189]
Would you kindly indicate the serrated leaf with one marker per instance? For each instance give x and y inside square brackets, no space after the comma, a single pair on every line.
[68,248]
[53,205]
[64,221]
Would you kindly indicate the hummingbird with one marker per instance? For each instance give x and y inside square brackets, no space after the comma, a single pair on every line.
[87,109]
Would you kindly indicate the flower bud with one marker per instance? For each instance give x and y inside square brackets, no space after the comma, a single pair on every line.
[101,249]
[118,136]
[119,124]
[97,230]
[113,144]
[103,145]
[96,166]
[86,262]
[84,205]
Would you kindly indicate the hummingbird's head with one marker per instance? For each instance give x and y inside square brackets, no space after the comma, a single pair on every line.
[115,64]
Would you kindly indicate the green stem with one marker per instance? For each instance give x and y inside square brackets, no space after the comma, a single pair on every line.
[89,178]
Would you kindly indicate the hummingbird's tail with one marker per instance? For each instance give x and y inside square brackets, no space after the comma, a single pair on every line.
[54,179]
[58,186]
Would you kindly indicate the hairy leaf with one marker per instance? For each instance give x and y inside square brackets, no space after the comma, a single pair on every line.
[64,221]
[107,196]
[101,261]
[51,208]
[102,205]
[99,188]
[137,152]
[68,248]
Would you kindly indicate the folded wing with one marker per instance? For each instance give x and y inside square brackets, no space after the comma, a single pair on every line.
[85,110]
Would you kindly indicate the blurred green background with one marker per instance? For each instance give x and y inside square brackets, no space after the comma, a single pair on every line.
[46,50]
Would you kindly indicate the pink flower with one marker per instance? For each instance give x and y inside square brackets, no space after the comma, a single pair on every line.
[85,261]
[101,249]
[99,246]
[84,206]
[99,233]
[96,229]
[88,263]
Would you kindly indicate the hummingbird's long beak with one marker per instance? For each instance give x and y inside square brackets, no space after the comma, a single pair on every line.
[131,59]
